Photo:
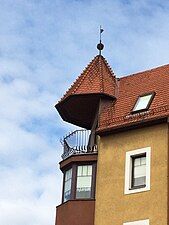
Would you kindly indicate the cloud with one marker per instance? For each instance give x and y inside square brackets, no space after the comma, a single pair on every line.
[44,45]
[29,199]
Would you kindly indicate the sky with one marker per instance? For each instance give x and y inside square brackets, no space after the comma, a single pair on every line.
[44,46]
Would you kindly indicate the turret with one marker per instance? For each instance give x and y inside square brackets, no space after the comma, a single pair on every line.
[81,105]
[82,102]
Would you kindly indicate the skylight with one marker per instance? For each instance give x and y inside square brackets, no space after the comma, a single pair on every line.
[143,102]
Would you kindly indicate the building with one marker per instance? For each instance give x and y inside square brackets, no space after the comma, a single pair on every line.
[116,174]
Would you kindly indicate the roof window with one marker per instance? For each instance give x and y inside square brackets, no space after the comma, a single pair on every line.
[143,102]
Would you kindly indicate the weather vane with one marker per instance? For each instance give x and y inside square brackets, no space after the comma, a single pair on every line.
[100,46]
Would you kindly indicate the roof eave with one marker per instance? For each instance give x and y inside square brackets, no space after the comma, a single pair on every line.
[131,126]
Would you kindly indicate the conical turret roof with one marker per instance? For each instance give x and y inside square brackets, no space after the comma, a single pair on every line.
[97,77]
[97,80]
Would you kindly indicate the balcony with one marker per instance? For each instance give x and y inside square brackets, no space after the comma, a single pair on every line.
[78,142]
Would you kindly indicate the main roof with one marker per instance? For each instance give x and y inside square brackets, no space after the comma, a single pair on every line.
[130,87]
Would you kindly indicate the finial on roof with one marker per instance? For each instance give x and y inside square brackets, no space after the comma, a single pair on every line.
[100,46]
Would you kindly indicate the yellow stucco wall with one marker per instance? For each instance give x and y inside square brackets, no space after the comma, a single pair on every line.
[113,207]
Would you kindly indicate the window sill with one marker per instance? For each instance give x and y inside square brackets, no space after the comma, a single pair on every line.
[137,190]
[137,187]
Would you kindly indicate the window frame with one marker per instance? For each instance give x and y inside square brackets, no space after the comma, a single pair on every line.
[84,176]
[74,168]
[139,222]
[148,105]
[93,182]
[129,167]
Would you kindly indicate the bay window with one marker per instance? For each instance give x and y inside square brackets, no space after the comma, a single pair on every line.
[79,182]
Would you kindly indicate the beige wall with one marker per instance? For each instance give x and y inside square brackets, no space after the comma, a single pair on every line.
[112,206]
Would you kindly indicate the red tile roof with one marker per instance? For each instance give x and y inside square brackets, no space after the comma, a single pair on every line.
[97,77]
[118,115]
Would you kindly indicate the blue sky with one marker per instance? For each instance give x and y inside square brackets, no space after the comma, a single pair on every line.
[44,45]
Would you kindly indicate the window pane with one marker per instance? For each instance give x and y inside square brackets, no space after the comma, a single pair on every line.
[79,171]
[68,174]
[139,171]
[142,102]
[139,181]
[143,161]
[83,193]
[137,162]
[84,171]
[67,185]
[90,170]
[67,195]
[84,181]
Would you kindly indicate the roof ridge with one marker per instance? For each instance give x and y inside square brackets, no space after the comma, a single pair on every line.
[142,72]
[101,74]
[107,64]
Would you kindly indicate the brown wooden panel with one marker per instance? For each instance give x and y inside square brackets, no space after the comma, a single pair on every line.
[75,212]
[87,157]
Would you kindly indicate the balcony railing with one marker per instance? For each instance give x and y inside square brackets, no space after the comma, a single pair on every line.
[77,142]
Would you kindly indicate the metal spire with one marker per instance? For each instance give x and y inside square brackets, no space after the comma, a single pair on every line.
[100,46]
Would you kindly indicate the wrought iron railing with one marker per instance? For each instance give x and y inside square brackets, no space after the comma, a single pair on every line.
[77,142]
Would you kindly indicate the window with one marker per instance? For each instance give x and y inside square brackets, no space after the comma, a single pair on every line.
[79,182]
[137,170]
[67,185]
[143,102]
[140,222]
[84,181]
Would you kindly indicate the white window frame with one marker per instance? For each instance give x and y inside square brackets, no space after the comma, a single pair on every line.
[139,222]
[128,170]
